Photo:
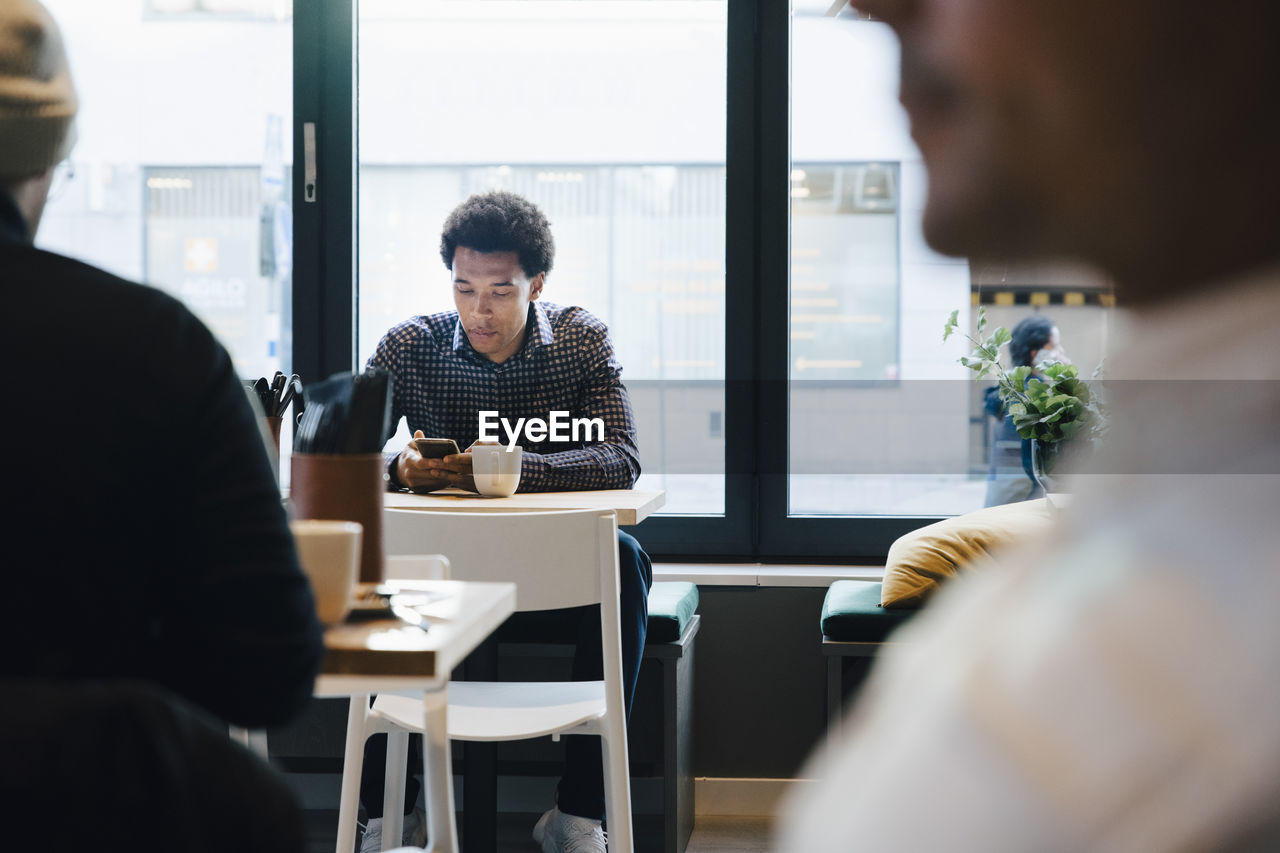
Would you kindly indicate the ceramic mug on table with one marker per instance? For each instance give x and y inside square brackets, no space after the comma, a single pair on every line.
[496,469]
[329,552]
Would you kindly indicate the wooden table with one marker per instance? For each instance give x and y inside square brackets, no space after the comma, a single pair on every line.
[632,505]
[386,656]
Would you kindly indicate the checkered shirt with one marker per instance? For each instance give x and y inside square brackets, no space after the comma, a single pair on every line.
[566,364]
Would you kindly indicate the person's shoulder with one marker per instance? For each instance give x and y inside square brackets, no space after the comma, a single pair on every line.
[423,329]
[71,276]
[574,320]
[91,289]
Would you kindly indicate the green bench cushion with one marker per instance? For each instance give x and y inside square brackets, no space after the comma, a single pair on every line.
[671,606]
[851,612]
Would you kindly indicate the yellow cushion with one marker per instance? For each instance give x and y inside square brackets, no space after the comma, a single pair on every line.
[919,560]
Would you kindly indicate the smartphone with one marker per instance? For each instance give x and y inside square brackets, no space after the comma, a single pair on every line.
[436,448]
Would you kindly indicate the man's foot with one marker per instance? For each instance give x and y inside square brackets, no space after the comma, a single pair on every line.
[413,835]
[558,832]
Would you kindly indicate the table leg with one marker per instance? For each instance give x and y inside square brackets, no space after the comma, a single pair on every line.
[393,788]
[352,765]
[437,773]
[480,764]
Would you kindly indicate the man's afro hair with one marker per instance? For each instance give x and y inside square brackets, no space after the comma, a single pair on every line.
[500,221]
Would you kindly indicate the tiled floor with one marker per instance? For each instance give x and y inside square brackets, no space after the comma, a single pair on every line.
[711,834]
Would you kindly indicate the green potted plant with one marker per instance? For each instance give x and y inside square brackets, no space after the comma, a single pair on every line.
[1050,403]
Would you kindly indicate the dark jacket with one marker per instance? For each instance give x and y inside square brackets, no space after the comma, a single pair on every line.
[132,767]
[144,532]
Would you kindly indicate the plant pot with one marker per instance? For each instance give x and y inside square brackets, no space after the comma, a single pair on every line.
[1044,456]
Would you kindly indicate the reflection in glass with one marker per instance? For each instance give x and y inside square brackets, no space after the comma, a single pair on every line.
[844,271]
[882,420]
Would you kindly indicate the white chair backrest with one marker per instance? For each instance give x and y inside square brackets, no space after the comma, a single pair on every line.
[554,558]
[417,567]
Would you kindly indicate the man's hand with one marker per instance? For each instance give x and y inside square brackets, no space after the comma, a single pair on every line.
[426,475]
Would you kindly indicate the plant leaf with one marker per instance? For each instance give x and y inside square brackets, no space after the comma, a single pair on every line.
[950,327]
[1071,428]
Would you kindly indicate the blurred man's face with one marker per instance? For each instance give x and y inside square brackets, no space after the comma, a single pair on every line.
[30,193]
[1059,128]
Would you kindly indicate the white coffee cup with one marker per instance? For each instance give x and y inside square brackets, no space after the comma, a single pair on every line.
[495,469]
[329,552]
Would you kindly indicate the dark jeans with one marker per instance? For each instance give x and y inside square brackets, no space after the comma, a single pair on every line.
[581,789]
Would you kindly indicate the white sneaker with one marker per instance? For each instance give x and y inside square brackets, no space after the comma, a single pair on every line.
[413,835]
[558,832]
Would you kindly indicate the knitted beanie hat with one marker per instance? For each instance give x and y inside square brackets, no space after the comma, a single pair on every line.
[37,99]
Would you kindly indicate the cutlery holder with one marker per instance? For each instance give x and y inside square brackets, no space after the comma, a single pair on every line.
[345,487]
[273,426]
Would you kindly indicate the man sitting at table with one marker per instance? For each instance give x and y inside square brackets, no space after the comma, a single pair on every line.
[504,351]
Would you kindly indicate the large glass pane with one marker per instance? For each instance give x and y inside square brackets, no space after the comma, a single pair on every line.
[610,116]
[883,421]
[180,171]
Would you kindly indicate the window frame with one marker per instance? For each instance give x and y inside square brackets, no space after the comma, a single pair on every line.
[755,525]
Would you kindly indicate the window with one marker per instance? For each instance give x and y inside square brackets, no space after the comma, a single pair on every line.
[733,189]
[182,161]
[882,419]
[627,161]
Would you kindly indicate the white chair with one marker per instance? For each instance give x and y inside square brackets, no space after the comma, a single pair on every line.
[397,567]
[558,560]
[416,567]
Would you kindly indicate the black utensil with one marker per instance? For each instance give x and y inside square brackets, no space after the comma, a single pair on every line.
[370,411]
[308,424]
[277,388]
[299,398]
[292,388]
[263,390]
[333,396]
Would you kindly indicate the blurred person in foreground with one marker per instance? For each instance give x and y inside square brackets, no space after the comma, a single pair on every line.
[150,568]
[1034,341]
[1117,687]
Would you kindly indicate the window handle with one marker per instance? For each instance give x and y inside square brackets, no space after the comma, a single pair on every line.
[309,161]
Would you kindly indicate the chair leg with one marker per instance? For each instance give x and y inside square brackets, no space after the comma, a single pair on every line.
[835,692]
[352,766]
[393,788]
[258,742]
[617,787]
[437,773]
